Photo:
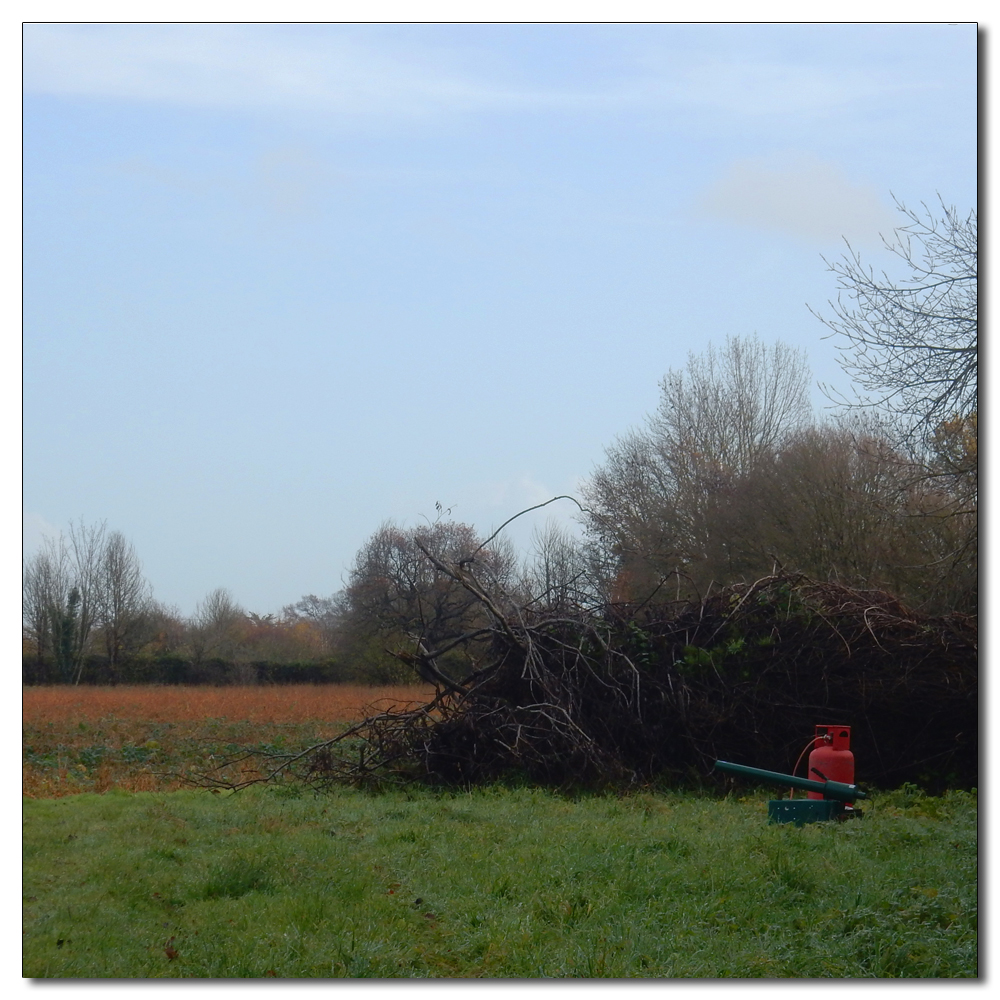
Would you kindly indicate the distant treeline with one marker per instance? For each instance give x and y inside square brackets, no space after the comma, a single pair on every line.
[178,670]
[730,481]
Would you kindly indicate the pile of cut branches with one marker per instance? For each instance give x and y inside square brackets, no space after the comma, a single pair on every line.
[623,695]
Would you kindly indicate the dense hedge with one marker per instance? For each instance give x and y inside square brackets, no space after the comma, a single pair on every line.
[179,670]
[656,694]
[759,668]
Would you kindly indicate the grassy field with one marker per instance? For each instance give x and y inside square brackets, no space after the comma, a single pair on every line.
[495,883]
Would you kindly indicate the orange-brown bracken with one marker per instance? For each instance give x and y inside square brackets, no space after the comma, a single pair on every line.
[277,703]
[62,723]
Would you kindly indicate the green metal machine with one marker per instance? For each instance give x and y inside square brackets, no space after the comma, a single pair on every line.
[837,800]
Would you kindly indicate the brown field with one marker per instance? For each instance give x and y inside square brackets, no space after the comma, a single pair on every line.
[284,703]
[91,739]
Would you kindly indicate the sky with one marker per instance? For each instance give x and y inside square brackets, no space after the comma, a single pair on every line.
[285,282]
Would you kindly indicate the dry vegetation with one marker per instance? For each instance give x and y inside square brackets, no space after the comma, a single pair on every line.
[143,738]
[291,703]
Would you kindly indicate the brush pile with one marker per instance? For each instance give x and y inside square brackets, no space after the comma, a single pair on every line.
[622,695]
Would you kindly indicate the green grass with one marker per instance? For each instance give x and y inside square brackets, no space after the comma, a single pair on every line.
[498,883]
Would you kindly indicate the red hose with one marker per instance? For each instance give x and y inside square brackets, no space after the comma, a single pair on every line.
[808,747]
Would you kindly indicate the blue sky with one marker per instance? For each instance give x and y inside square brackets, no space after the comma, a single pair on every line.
[285,282]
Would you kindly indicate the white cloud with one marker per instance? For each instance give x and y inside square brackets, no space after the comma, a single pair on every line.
[801,196]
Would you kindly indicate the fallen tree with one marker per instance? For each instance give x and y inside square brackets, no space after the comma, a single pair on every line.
[624,695]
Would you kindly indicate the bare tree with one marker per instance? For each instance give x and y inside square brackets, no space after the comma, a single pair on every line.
[912,345]
[86,546]
[123,599]
[557,577]
[832,504]
[60,593]
[914,342]
[653,502]
[45,592]
[84,586]
[730,408]
[398,591]
[217,627]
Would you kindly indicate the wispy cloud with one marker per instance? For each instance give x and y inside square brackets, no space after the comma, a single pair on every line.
[236,66]
[801,196]
[350,72]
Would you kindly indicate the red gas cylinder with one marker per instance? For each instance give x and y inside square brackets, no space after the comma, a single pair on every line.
[831,760]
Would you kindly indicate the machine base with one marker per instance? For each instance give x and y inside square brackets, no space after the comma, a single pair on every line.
[802,811]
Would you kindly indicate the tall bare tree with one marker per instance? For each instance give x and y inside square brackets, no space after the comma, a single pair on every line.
[45,592]
[60,597]
[731,407]
[653,501]
[325,614]
[913,342]
[912,346]
[86,546]
[558,575]
[123,599]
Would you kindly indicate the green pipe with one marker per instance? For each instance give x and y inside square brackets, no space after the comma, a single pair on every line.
[836,790]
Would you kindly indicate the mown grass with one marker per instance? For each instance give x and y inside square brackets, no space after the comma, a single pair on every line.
[499,882]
